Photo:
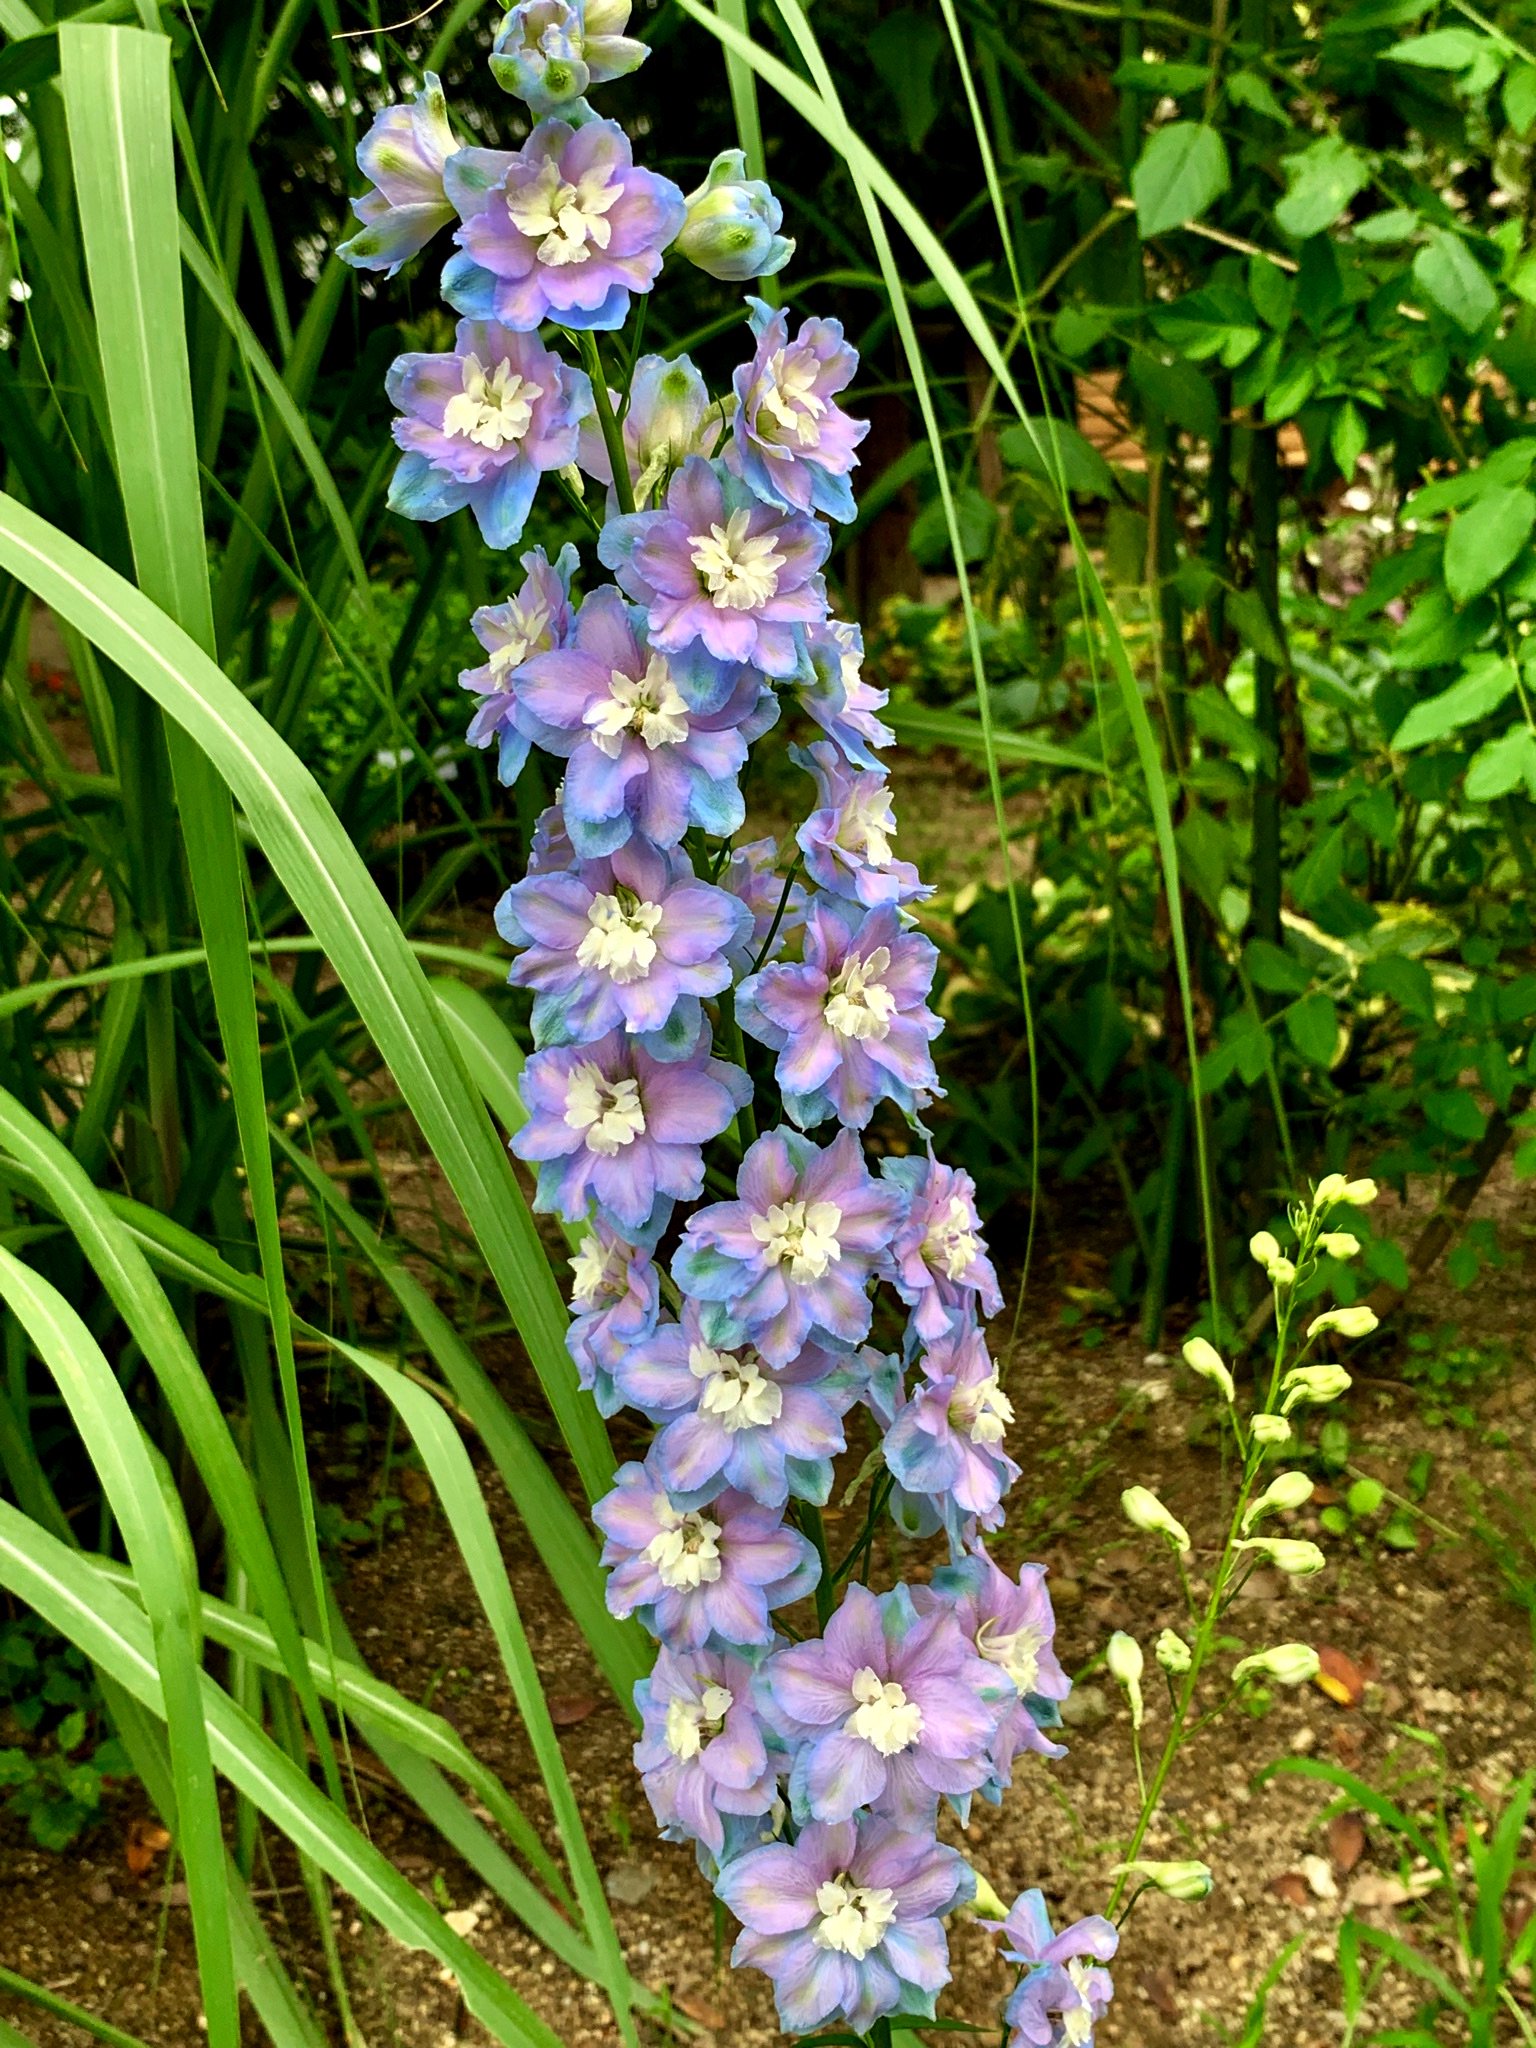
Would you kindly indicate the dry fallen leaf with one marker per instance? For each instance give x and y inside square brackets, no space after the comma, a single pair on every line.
[1290,1886]
[1157,1987]
[1340,1677]
[1346,1841]
[699,2009]
[567,1709]
[1374,1889]
[145,1840]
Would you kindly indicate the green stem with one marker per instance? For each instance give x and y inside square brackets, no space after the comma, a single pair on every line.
[811,1525]
[612,432]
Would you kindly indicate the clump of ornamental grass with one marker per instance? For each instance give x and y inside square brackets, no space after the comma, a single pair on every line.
[808,1772]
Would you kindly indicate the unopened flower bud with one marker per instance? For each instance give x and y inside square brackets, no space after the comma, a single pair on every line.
[1286,1664]
[1289,1554]
[1358,1321]
[1339,1244]
[1285,1490]
[1126,1665]
[1316,1384]
[1264,1246]
[1203,1358]
[983,1904]
[732,229]
[548,52]
[1270,1429]
[1282,1271]
[1178,1880]
[1360,1193]
[1330,1189]
[1143,1510]
[1172,1653]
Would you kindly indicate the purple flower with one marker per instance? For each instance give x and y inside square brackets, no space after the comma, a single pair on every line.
[888,1710]
[644,754]
[718,565]
[628,942]
[848,1022]
[776,902]
[839,699]
[533,622]
[795,1251]
[615,1300]
[1011,1625]
[846,840]
[942,1269]
[670,416]
[790,440]
[565,228]
[732,230]
[1062,1996]
[550,851]
[548,52]
[609,1123]
[846,1921]
[701,1752]
[699,1576]
[403,153]
[947,1441]
[481,425]
[732,1419]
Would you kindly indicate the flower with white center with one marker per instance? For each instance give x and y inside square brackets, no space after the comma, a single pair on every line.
[692,1723]
[570,218]
[1077,2020]
[609,1114]
[786,393]
[735,1389]
[620,941]
[884,1715]
[1017,1652]
[740,569]
[981,1410]
[686,1548]
[950,1246]
[650,706]
[868,825]
[858,1004]
[854,1917]
[494,408]
[801,1235]
[599,1270]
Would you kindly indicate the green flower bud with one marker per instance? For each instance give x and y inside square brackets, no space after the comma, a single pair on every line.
[1358,1321]
[1126,1665]
[1285,1490]
[1173,1653]
[1360,1193]
[1330,1189]
[1143,1510]
[1286,1663]
[1316,1384]
[1178,1880]
[1291,1555]
[1339,1244]
[1270,1429]
[1264,1246]
[1203,1358]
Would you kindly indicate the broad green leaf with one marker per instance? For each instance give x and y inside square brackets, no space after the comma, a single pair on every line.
[1054,451]
[1485,539]
[1501,765]
[1520,98]
[1454,1111]
[1138,74]
[1248,89]
[1174,390]
[1451,279]
[1395,224]
[975,529]
[1271,967]
[1246,610]
[1347,438]
[1180,172]
[1471,697]
[1321,180]
[908,49]
[1443,49]
[1312,1026]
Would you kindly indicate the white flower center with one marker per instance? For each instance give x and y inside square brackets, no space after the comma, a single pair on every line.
[494,407]
[786,393]
[609,1113]
[736,1390]
[982,1411]
[804,1233]
[692,1723]
[868,825]
[648,705]
[742,570]
[1018,1654]
[854,1917]
[884,1715]
[1077,2021]
[570,218]
[685,1549]
[619,938]
[950,1245]
[527,633]
[597,1270]
[858,1004]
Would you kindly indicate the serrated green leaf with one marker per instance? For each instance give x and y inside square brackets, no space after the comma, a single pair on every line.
[1180,172]
[1451,279]
[1485,539]
[1321,180]
[1347,438]
[1503,764]
[1470,698]
[1312,1026]
[1443,49]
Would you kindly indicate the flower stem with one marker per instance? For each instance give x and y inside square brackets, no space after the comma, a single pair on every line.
[612,432]
[826,1593]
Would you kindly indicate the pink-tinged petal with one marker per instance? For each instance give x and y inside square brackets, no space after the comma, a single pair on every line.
[552,910]
[809,1061]
[695,497]
[839,1774]
[767,1176]
[769,1890]
[558,686]
[799,1684]
[733,1612]
[605,636]
[856,1633]
[596,783]
[771,1558]
[683,1106]
[829,1986]
[692,1451]
[917,1952]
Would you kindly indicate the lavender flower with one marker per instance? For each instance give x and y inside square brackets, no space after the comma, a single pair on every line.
[481,425]
[629,942]
[793,1254]
[610,1124]
[403,153]
[790,440]
[718,565]
[777,902]
[700,1576]
[888,1710]
[942,1270]
[732,1419]
[670,417]
[701,1753]
[848,1022]
[615,1301]
[947,1441]
[846,841]
[548,52]
[732,229]
[846,1921]
[839,699]
[1011,1625]
[1062,1997]
[565,228]
[537,619]
[644,754]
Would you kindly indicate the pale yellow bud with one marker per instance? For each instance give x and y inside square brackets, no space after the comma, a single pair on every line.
[1203,1358]
[1360,1193]
[1286,1663]
[1126,1665]
[1285,1490]
[1330,1189]
[1264,1246]
[1358,1321]
[1178,1880]
[1172,1653]
[1288,1554]
[1143,1510]
[1316,1384]
[1339,1244]
[1270,1429]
